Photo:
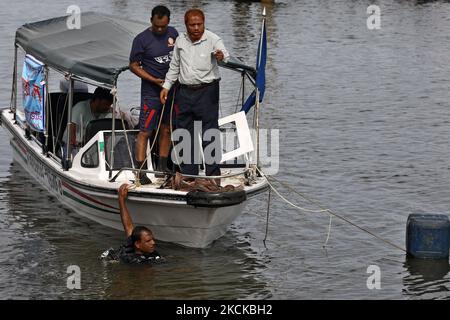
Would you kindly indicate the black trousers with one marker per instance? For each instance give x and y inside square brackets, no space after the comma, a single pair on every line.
[199,105]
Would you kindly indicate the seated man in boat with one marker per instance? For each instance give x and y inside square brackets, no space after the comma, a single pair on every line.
[140,245]
[98,107]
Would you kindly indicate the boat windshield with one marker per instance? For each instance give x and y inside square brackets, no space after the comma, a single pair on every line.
[123,150]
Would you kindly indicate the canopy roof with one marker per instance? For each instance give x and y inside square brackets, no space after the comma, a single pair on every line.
[98,51]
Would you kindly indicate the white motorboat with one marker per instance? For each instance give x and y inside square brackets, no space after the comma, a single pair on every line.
[87,181]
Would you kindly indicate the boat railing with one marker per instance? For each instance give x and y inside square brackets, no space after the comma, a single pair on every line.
[134,170]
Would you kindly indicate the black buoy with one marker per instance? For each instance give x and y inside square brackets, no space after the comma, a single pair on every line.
[427,236]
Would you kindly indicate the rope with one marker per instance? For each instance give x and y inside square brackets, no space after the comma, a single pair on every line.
[324,210]
[114,93]
[267,218]
[156,135]
[171,128]
[287,201]
[329,232]
[239,96]
[61,120]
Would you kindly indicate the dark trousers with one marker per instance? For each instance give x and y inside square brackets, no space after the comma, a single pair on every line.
[199,105]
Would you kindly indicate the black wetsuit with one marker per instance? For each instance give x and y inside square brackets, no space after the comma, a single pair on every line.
[127,253]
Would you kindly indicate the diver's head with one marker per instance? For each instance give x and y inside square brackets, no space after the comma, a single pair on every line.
[143,240]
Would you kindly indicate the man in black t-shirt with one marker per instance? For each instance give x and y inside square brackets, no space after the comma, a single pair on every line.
[140,245]
[150,57]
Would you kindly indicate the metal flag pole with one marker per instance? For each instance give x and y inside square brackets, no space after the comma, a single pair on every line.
[257,90]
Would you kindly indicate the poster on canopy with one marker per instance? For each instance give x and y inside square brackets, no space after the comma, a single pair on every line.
[33,85]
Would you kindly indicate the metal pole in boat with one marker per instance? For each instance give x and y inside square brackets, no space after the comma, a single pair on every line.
[113,127]
[68,160]
[46,115]
[13,106]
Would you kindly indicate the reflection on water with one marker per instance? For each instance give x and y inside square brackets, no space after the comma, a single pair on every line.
[39,244]
[425,277]
[191,274]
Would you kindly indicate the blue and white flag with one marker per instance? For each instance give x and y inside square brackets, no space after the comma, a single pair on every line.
[260,71]
[33,85]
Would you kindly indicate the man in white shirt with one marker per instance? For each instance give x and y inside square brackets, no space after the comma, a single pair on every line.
[194,64]
[98,107]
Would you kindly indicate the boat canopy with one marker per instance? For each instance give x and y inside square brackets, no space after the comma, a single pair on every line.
[98,51]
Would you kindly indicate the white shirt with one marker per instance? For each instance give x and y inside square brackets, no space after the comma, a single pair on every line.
[81,115]
[194,62]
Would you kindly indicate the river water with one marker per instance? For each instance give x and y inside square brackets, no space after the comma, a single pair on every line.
[364,123]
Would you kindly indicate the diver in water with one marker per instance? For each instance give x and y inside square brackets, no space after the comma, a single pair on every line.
[140,244]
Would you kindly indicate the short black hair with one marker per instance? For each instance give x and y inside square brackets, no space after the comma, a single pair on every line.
[102,94]
[161,11]
[137,233]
